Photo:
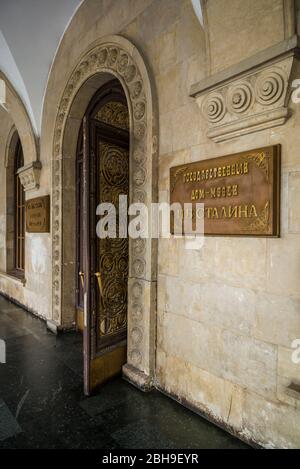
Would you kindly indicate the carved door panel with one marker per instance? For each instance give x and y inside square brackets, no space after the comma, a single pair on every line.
[105,304]
[112,253]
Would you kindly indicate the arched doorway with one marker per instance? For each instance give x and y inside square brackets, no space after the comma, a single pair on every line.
[113,57]
[104,141]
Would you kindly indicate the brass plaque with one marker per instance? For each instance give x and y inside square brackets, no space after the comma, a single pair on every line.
[240,192]
[38,215]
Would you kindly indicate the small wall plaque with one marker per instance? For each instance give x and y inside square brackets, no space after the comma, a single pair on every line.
[240,192]
[38,215]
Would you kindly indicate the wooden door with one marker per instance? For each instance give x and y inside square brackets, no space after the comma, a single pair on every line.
[105,261]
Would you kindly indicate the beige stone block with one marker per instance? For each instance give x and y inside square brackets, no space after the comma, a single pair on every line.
[286,363]
[12,288]
[198,265]
[174,295]
[168,87]
[226,307]
[141,324]
[277,319]
[131,29]
[284,203]
[168,161]
[293,201]
[191,71]
[38,252]
[249,363]
[158,18]
[71,139]
[289,138]
[230,45]
[165,134]
[37,303]
[190,35]
[284,266]
[247,142]
[208,149]
[161,358]
[205,151]
[163,256]
[241,262]
[45,180]
[189,303]
[2,230]
[239,359]
[294,119]
[160,333]
[219,399]
[186,126]
[175,252]
[172,375]
[168,54]
[270,424]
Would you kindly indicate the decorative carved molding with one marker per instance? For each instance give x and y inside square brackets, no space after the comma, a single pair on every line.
[114,113]
[120,58]
[248,98]
[30,176]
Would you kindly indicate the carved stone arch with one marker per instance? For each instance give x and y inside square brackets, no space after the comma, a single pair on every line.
[111,57]
[30,173]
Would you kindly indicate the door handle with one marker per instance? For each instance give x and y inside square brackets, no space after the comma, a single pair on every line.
[81,275]
[98,275]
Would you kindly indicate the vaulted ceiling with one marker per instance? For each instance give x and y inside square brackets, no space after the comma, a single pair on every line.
[30,33]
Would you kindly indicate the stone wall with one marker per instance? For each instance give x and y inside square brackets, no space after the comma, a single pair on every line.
[226,315]
[35,291]
[240,28]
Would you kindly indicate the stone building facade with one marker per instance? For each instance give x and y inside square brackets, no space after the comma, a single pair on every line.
[213,328]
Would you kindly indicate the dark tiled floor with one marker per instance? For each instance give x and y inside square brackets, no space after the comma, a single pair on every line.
[42,404]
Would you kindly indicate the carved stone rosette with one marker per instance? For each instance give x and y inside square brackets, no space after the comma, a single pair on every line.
[30,176]
[120,58]
[238,102]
